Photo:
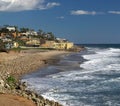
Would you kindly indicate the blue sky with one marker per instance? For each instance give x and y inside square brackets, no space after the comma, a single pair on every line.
[80,21]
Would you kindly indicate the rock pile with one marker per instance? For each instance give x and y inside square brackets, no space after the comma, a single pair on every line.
[37,99]
[19,88]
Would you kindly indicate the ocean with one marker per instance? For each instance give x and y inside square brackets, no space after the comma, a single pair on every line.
[88,78]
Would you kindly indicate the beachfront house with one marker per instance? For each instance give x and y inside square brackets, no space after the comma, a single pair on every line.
[63,45]
[58,45]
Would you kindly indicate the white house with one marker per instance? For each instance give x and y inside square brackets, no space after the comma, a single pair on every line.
[29,33]
[10,28]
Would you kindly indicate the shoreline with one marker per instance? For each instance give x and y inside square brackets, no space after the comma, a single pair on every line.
[19,64]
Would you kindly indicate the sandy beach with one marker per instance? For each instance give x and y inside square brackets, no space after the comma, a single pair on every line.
[27,61]
[17,64]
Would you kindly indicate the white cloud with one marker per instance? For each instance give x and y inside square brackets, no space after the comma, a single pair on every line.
[50,5]
[114,12]
[82,12]
[20,5]
[61,17]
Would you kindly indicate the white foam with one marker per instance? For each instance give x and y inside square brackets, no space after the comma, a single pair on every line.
[56,86]
[103,60]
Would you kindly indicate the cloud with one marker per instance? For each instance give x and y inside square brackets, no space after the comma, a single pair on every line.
[82,12]
[21,5]
[53,4]
[114,12]
[61,17]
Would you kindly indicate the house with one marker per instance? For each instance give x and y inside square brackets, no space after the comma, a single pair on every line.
[63,45]
[33,33]
[6,40]
[57,45]
[10,45]
[61,40]
[69,45]
[33,42]
[24,38]
[15,44]
[10,28]
[48,44]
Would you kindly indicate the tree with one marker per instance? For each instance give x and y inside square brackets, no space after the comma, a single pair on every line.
[4,30]
[51,36]
[2,46]
[16,30]
[24,30]
[40,32]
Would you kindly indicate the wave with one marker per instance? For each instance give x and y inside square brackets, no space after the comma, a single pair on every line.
[102,59]
[96,84]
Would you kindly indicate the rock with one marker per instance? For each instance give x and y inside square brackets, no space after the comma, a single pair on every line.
[38,104]
[33,95]
[24,95]
[41,97]
[24,84]
[29,97]
[21,87]
[7,86]
[34,99]
[2,83]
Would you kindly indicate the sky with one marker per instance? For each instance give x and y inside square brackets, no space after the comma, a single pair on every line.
[80,21]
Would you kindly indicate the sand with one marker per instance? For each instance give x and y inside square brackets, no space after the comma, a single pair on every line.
[12,100]
[21,63]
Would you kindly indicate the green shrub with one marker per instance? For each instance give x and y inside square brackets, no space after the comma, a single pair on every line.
[18,49]
[11,81]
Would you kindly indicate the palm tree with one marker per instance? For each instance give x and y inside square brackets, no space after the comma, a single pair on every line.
[51,36]
[40,32]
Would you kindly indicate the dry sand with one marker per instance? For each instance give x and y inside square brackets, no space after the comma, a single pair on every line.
[12,100]
[21,63]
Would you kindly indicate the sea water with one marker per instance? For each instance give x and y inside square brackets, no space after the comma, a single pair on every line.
[88,78]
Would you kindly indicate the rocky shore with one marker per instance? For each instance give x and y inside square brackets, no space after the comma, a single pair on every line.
[19,88]
[13,65]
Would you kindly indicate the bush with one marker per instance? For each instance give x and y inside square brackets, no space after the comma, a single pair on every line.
[2,46]
[18,49]
[11,81]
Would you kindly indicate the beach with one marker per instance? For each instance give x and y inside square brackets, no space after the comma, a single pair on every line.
[18,64]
